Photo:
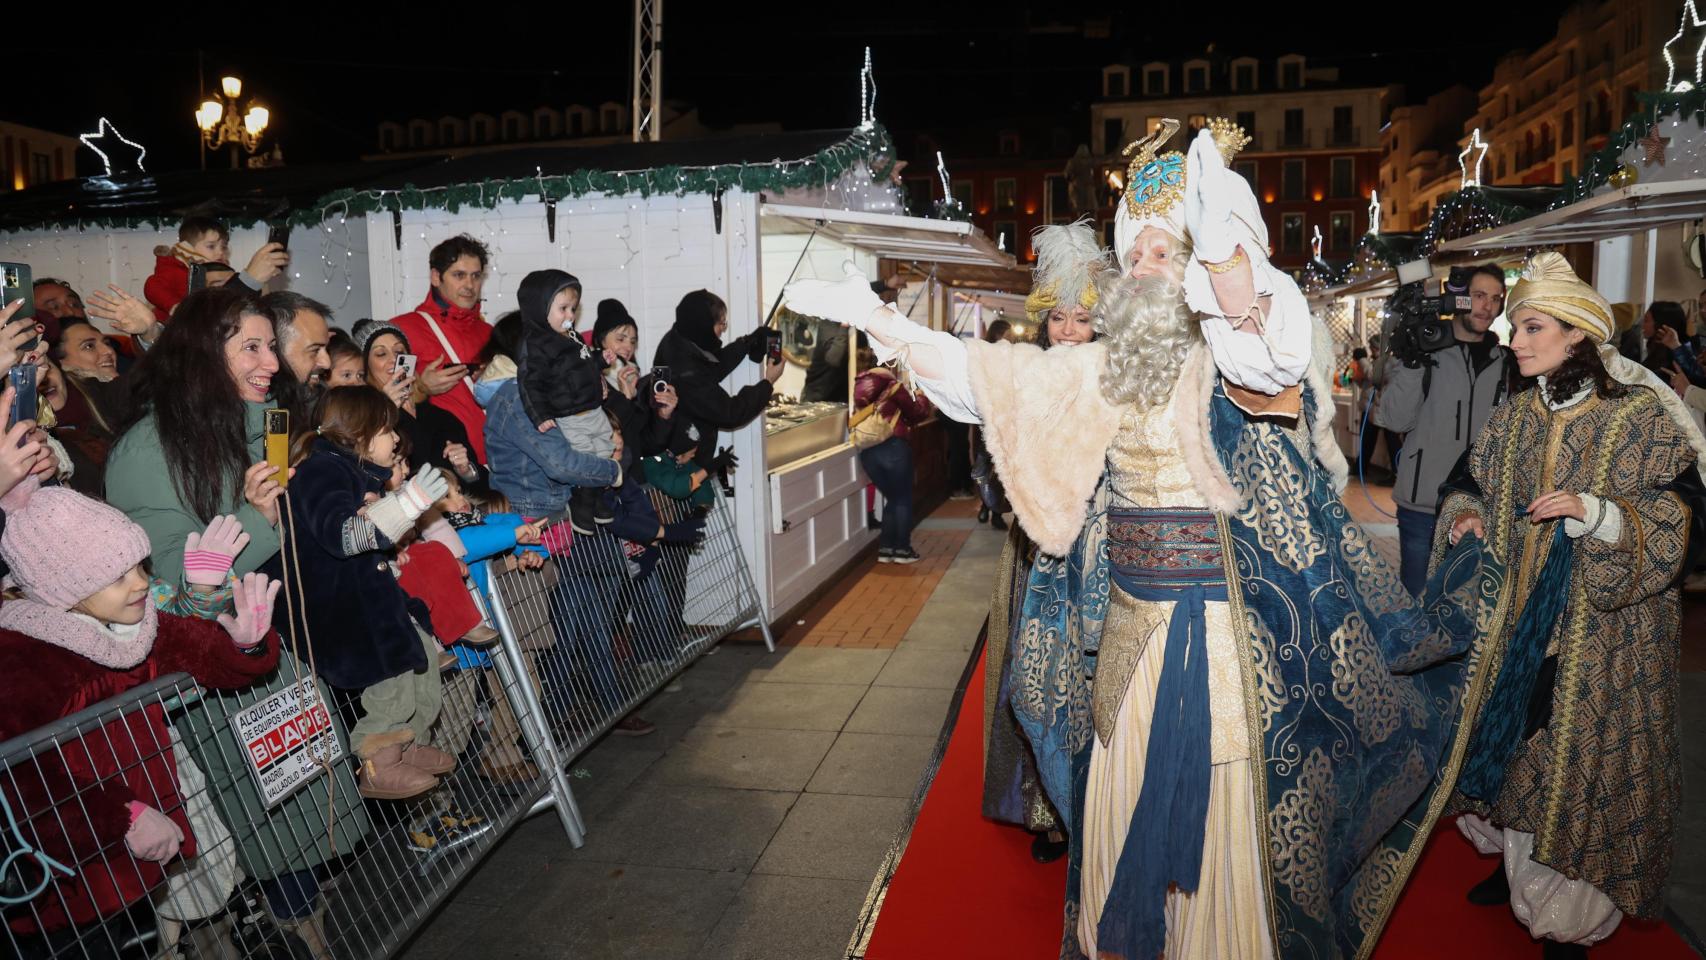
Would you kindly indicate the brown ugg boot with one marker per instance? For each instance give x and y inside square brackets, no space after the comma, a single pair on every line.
[384,776]
[429,758]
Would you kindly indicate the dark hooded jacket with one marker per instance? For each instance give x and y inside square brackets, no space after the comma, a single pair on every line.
[560,375]
[698,362]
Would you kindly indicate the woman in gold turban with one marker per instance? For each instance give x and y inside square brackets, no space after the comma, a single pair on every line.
[1586,488]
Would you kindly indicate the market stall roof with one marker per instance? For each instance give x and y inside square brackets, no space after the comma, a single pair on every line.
[892,236]
[247,196]
[1632,209]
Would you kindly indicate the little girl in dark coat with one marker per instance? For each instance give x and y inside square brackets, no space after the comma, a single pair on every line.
[106,806]
[363,634]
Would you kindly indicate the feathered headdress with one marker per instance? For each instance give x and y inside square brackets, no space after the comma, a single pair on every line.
[1068,262]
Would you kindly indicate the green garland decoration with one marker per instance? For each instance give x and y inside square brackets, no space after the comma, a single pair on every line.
[1597,167]
[869,145]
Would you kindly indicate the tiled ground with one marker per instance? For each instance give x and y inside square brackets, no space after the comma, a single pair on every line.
[875,602]
[751,824]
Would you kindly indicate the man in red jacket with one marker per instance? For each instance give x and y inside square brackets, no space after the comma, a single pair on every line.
[448,334]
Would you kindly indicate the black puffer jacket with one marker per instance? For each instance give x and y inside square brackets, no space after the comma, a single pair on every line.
[698,362]
[559,374]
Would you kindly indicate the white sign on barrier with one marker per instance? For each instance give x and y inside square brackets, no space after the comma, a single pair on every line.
[285,737]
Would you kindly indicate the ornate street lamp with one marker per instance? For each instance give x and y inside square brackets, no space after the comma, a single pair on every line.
[221,124]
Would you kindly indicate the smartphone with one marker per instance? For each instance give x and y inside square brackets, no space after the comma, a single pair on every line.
[278,443]
[16,284]
[405,367]
[24,397]
[279,233]
[773,345]
[198,277]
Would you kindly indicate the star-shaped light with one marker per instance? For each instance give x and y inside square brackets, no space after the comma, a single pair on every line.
[1477,147]
[1690,17]
[100,133]
[1655,146]
[1374,212]
[867,94]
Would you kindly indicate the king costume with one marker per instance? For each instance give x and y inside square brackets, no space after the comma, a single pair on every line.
[1240,716]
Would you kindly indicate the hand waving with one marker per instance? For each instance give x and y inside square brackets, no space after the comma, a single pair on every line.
[848,301]
[208,555]
[252,599]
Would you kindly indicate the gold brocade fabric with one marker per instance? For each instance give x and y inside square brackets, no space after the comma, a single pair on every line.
[1600,784]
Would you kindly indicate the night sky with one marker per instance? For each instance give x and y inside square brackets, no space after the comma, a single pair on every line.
[938,66]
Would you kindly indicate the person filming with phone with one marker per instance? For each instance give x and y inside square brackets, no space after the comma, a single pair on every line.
[435,435]
[448,333]
[699,361]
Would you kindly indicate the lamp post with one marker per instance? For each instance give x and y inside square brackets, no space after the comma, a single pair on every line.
[221,124]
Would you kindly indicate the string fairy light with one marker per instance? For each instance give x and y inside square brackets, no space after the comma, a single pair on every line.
[868,94]
[1690,17]
[1374,213]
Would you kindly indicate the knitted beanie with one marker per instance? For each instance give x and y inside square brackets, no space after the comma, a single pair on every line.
[611,315]
[64,547]
[366,331]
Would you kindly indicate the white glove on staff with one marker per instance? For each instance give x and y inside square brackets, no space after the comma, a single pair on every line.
[848,301]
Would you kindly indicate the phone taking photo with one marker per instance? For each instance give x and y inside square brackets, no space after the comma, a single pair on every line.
[24,397]
[16,284]
[279,233]
[405,368]
[278,443]
[773,345]
[198,277]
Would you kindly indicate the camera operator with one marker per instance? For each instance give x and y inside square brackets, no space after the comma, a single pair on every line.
[1439,397]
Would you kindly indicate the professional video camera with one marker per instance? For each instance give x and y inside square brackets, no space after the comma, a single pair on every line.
[1424,311]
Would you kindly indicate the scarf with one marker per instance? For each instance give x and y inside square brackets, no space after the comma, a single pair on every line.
[115,646]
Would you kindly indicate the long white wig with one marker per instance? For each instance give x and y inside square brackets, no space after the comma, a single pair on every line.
[1148,331]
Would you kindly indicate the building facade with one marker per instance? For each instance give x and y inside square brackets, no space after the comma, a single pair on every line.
[1314,153]
[1011,181]
[30,156]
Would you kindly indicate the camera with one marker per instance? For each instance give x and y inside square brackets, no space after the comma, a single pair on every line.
[1424,313]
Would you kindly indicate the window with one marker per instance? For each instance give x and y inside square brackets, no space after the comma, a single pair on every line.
[41,168]
[1113,135]
[1006,190]
[1059,196]
[1007,236]
[1244,77]
[1344,177]
[1196,79]
[1108,232]
[1569,63]
[610,120]
[1343,226]
[418,135]
[1567,129]
[1343,132]
[1155,81]
[387,139]
[512,128]
[1152,124]
[1423,211]
[1501,168]
[963,193]
[1291,180]
[1291,75]
[1009,143]
[1116,84]
[1291,233]
[1247,120]
[1247,170]
[1294,128]
[447,134]
[577,124]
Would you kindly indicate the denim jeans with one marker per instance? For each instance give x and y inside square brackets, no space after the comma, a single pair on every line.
[1415,545]
[583,607]
[889,465]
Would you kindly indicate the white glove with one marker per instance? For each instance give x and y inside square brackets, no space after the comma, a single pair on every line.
[426,488]
[252,598]
[1210,199]
[848,301]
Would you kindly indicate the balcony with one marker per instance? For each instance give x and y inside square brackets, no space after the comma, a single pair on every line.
[1296,139]
[1344,137]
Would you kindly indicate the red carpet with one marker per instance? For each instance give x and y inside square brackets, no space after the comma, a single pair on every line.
[967,887]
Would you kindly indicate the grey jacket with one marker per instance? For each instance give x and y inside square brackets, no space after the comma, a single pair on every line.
[1440,412]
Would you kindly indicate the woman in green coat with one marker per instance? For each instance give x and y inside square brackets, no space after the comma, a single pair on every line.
[196,451]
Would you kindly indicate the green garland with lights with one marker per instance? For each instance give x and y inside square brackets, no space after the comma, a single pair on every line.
[1597,167]
[870,146]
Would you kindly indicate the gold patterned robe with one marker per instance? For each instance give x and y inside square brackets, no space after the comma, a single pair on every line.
[1599,785]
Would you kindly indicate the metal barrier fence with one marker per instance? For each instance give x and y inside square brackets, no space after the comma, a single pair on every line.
[602,627]
[288,860]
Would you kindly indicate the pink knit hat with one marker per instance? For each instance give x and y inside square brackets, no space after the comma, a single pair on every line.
[64,547]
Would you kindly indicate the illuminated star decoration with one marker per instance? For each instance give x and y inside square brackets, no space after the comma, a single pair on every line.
[942,171]
[1655,146]
[1374,212]
[867,94]
[100,133]
[1477,147]
[1690,17]
[1315,243]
